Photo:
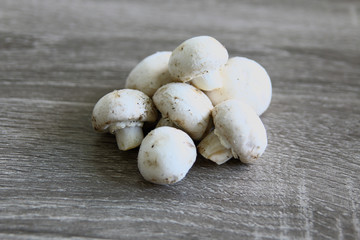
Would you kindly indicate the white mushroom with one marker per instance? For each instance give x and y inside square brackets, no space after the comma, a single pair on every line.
[166,155]
[244,80]
[123,113]
[199,59]
[238,133]
[150,74]
[186,106]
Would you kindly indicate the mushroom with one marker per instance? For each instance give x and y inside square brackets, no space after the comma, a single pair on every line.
[186,106]
[238,133]
[150,74]
[244,80]
[166,155]
[199,59]
[123,113]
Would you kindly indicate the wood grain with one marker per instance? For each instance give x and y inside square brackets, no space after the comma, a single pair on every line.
[60,179]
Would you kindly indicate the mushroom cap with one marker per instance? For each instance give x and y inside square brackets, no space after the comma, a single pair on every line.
[165,156]
[122,107]
[188,107]
[197,56]
[244,80]
[240,129]
[150,74]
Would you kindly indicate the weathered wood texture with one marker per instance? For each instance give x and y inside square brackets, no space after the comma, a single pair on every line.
[60,179]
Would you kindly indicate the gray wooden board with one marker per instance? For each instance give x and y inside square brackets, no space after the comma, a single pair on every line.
[60,179]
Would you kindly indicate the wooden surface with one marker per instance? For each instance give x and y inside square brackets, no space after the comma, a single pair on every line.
[60,179]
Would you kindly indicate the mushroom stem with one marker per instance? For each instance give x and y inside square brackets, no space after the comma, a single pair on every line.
[129,137]
[211,148]
[208,81]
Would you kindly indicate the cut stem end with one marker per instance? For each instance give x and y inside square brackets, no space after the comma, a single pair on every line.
[211,148]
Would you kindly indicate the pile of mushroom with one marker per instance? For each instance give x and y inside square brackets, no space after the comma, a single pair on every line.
[195,93]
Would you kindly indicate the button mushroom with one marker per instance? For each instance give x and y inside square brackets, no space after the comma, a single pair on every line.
[238,133]
[150,74]
[199,59]
[244,80]
[123,113]
[186,106]
[166,154]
